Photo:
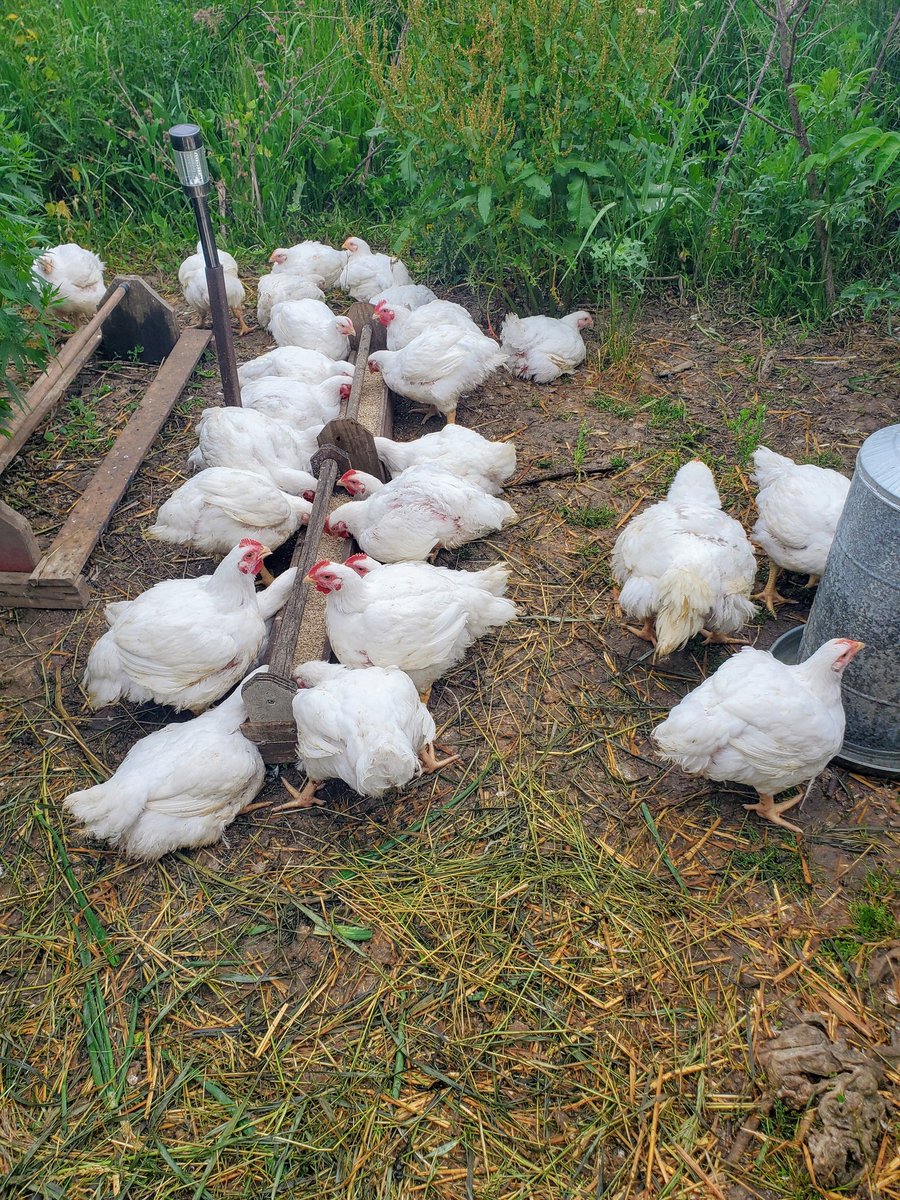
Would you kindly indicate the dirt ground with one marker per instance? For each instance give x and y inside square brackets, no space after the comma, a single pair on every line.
[673,931]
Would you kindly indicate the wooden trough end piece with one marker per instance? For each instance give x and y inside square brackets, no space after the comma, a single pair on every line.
[298,632]
[56,580]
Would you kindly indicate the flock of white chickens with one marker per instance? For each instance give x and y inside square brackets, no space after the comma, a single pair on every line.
[396,622]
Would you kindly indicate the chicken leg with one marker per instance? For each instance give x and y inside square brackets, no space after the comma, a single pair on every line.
[772,812]
[306,798]
[430,762]
[769,593]
[813,581]
[646,631]
[425,696]
[721,639]
[451,416]
[243,327]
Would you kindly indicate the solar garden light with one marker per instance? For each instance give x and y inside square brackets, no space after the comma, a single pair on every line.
[193,174]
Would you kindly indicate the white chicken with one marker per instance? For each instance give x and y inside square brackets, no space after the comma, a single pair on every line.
[463,451]
[192,277]
[421,510]
[183,642]
[437,368]
[251,441]
[293,362]
[411,295]
[75,274]
[686,567]
[312,325]
[422,625]
[274,289]
[299,405]
[799,509]
[761,722]
[311,259]
[179,787]
[402,324]
[365,274]
[366,727]
[221,505]
[543,348]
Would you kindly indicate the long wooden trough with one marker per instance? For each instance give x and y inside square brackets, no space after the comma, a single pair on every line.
[298,632]
[131,320]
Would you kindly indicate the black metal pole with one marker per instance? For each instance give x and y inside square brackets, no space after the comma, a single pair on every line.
[218,304]
[190,162]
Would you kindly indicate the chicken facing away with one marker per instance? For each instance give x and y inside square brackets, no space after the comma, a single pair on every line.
[421,510]
[293,362]
[312,325]
[274,289]
[299,405]
[404,324]
[192,277]
[438,367]
[365,274]
[760,722]
[420,624]
[366,727]
[799,509]
[221,505]
[543,348]
[410,295]
[179,787]
[251,441]
[686,567]
[76,275]
[183,642]
[463,451]
[310,259]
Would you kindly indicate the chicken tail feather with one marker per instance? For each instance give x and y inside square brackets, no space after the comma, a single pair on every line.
[685,597]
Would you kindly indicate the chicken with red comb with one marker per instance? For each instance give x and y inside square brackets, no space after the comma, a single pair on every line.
[762,722]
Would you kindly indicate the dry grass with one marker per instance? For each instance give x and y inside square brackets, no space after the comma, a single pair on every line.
[543,975]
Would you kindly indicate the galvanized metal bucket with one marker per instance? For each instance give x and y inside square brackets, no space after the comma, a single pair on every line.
[859,597]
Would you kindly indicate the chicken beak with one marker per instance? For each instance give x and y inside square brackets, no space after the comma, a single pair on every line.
[271,257]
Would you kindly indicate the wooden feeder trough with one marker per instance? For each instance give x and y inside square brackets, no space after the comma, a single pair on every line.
[133,321]
[298,632]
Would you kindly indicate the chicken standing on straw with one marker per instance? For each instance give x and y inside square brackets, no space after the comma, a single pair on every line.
[760,722]
[686,567]
[180,786]
[799,509]
[365,726]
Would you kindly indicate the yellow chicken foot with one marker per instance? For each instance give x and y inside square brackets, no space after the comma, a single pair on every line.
[769,593]
[721,639]
[451,417]
[813,581]
[646,631]
[426,695]
[243,327]
[772,812]
[430,762]
[306,798]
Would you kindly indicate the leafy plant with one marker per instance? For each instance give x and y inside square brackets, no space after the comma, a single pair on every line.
[589,517]
[24,342]
[747,428]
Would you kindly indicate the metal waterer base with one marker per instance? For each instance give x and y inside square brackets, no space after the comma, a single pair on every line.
[859,758]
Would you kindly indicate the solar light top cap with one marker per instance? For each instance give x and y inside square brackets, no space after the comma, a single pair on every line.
[186,137]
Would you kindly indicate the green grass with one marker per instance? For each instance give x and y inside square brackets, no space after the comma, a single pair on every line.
[664,411]
[873,921]
[588,516]
[612,405]
[771,864]
[580,452]
[747,430]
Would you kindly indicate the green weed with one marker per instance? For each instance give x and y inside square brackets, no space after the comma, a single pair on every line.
[873,921]
[771,864]
[588,517]
[747,430]
[612,405]
[664,411]
[580,452]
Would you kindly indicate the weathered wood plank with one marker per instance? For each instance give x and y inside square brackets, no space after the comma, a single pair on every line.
[50,385]
[89,517]
[143,326]
[18,591]
[19,550]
